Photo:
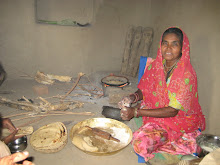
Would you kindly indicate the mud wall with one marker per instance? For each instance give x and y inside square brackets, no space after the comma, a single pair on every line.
[26,46]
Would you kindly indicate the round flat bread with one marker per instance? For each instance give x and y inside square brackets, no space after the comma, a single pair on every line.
[22,131]
[49,138]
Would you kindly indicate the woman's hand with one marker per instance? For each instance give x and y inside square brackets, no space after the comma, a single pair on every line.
[132,98]
[6,123]
[12,137]
[9,125]
[125,102]
[14,158]
[127,113]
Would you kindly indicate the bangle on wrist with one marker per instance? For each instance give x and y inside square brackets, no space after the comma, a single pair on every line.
[136,112]
[136,97]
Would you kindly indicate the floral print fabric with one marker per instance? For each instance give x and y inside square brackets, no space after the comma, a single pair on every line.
[183,86]
[151,138]
[174,103]
[175,135]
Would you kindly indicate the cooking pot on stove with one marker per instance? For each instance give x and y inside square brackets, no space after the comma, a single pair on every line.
[113,81]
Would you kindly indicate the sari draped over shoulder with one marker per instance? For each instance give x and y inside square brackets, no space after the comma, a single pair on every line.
[174,135]
[183,86]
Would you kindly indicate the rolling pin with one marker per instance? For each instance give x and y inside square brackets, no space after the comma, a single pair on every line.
[103,134]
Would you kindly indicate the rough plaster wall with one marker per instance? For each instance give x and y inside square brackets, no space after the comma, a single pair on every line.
[199,20]
[75,10]
[27,46]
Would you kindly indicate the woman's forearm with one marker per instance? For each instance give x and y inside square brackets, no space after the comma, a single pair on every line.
[137,96]
[158,113]
[140,95]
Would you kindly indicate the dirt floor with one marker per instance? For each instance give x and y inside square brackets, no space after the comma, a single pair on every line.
[14,89]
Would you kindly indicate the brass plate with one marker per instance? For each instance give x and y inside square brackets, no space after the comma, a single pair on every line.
[106,147]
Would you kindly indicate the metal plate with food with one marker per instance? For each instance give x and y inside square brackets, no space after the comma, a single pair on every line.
[100,136]
[208,142]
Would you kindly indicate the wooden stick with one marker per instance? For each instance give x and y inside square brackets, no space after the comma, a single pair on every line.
[78,78]
[57,114]
[31,121]
[93,84]
[102,134]
[26,118]
[72,113]
[16,115]
[61,96]
[83,88]
[45,101]
[23,97]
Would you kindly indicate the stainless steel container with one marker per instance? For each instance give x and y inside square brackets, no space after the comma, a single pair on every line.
[18,145]
[208,143]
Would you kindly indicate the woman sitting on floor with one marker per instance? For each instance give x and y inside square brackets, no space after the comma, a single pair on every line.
[172,116]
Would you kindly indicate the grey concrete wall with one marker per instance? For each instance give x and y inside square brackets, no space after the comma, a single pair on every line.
[26,46]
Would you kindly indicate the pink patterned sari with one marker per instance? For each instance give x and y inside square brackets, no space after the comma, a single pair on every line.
[175,135]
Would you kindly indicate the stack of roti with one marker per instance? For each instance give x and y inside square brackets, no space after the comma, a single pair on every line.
[49,138]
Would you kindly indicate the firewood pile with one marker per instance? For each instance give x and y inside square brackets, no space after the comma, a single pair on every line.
[41,107]
[137,43]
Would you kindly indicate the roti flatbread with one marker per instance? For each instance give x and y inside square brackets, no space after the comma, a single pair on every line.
[49,138]
[22,131]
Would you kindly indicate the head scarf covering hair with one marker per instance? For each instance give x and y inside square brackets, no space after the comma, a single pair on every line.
[183,85]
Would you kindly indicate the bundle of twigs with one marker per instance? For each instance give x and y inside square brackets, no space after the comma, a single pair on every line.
[137,43]
[45,108]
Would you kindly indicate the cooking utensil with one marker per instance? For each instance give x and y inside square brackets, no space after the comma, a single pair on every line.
[18,145]
[208,142]
[103,134]
[113,80]
[111,112]
[101,146]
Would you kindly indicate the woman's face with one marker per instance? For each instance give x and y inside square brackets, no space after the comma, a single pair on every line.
[171,47]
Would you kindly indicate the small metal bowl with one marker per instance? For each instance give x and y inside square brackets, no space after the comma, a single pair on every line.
[18,145]
[208,143]
[188,157]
